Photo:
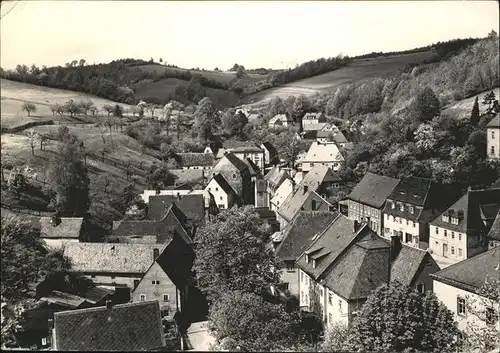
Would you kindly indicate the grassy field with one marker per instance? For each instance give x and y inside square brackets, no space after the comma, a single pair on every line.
[358,71]
[463,108]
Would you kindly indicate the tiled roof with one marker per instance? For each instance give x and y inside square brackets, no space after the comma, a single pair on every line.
[110,257]
[323,152]
[270,147]
[405,266]
[298,235]
[124,327]
[494,232]
[336,136]
[63,299]
[276,176]
[253,118]
[232,144]
[184,176]
[279,117]
[282,192]
[495,122]
[412,190]
[196,159]
[318,175]
[265,212]
[192,205]
[472,273]
[68,228]
[219,178]
[252,167]
[468,210]
[96,294]
[314,127]
[373,190]
[235,161]
[312,116]
[331,243]
[295,201]
[247,149]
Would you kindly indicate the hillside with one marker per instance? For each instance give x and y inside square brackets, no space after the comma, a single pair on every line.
[360,70]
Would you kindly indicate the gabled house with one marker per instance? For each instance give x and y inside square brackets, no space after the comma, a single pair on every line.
[462,230]
[494,233]
[493,138]
[367,200]
[176,193]
[322,179]
[168,278]
[112,264]
[153,232]
[313,119]
[57,231]
[411,206]
[192,160]
[280,120]
[224,195]
[459,289]
[237,174]
[123,327]
[331,133]
[326,154]
[296,237]
[285,189]
[261,195]
[270,154]
[346,262]
[253,153]
[303,199]
[275,177]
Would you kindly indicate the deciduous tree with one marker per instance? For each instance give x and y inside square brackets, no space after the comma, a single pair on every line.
[28,108]
[206,119]
[426,105]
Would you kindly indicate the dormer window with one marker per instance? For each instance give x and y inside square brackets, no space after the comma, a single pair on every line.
[314,263]
[307,258]
[445,218]
[401,207]
[454,220]
[411,209]
[393,205]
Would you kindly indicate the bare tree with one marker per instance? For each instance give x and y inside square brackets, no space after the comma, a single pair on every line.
[102,129]
[32,140]
[43,141]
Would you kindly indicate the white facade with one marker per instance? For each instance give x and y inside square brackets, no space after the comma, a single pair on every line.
[256,157]
[58,243]
[410,230]
[447,244]
[493,142]
[327,154]
[280,195]
[221,198]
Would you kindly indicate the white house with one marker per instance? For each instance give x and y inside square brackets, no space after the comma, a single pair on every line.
[327,154]
[57,232]
[493,138]
[281,193]
[464,288]
[313,119]
[254,153]
[224,195]
[280,120]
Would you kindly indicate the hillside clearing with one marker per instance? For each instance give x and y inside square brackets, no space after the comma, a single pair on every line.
[462,109]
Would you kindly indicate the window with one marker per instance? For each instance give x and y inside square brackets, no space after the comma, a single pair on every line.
[155,282]
[165,298]
[415,239]
[290,266]
[340,305]
[286,285]
[453,250]
[143,297]
[307,258]
[411,209]
[460,306]
[408,238]
[112,277]
[421,287]
[336,185]
[445,233]
[221,206]
[93,276]
[330,298]
[414,224]
[445,218]
[321,292]
[490,316]
[492,150]
[454,220]
[452,235]
[165,312]
[460,237]
[330,318]
[302,276]
[437,230]
[234,175]
[401,207]
[393,204]
[459,252]
[216,189]
[302,294]
[209,189]
[493,134]
[407,222]
[136,283]
[220,197]
[314,263]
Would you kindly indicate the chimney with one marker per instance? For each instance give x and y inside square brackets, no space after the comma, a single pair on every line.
[55,220]
[305,188]
[178,196]
[395,246]
[356,226]
[109,305]
[156,253]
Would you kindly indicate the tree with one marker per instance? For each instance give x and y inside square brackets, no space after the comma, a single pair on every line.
[28,108]
[118,111]
[275,107]
[240,72]
[289,104]
[70,181]
[167,114]
[231,254]
[335,338]
[62,133]
[474,116]
[85,106]
[159,177]
[488,100]
[59,109]
[206,119]
[72,108]
[300,107]
[426,105]
[43,141]
[233,123]
[17,184]
[396,317]
[243,321]
[108,108]
[289,148]
[33,138]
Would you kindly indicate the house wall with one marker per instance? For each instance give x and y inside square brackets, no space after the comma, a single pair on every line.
[261,198]
[58,243]
[223,200]
[410,229]
[284,190]
[453,240]
[448,295]
[157,291]
[256,157]
[304,281]
[423,275]
[290,275]
[493,141]
[198,167]
[114,278]
[358,211]
[231,174]
[308,165]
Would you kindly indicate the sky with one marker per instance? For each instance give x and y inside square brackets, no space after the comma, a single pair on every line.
[206,34]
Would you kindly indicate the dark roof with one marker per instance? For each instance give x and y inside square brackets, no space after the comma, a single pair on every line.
[247,149]
[412,190]
[174,221]
[193,206]
[63,299]
[270,147]
[295,202]
[96,294]
[298,235]
[470,210]
[494,232]
[495,122]
[67,228]
[191,159]
[275,176]
[265,212]
[252,167]
[318,175]
[406,265]
[472,273]
[373,190]
[125,327]
[236,162]
[230,144]
[219,178]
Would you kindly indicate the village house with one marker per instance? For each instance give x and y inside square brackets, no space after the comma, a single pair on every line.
[268,217]
[153,232]
[185,178]
[190,160]
[462,230]
[346,262]
[322,180]
[261,195]
[167,278]
[313,119]
[411,206]
[331,133]
[463,289]
[295,239]
[279,121]
[224,195]
[494,233]
[274,178]
[175,193]
[112,264]
[326,154]
[57,231]
[237,174]
[367,200]
[285,189]
[123,327]
[302,199]
[253,153]
[270,154]
[493,138]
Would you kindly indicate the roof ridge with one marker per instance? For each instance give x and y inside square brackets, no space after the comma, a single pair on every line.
[461,263]
[103,307]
